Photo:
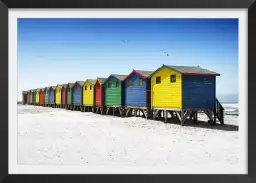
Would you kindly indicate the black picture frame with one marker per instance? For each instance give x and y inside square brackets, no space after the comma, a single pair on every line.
[5,4]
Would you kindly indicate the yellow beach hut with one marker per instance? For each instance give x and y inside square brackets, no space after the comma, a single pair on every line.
[88,94]
[58,95]
[182,91]
[37,91]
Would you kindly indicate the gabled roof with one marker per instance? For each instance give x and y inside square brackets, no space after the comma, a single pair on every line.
[70,85]
[24,92]
[101,80]
[64,85]
[144,74]
[117,76]
[81,83]
[189,70]
[46,88]
[91,81]
[53,87]
[58,86]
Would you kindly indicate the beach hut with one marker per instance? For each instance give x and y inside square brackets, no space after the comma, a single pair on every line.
[77,95]
[184,90]
[138,92]
[52,96]
[58,95]
[28,97]
[31,96]
[99,95]
[88,95]
[46,96]
[41,96]
[69,95]
[114,94]
[64,95]
[37,91]
[24,97]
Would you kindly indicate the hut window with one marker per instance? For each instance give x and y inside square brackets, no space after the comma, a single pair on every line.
[140,82]
[85,88]
[130,83]
[173,78]
[158,79]
[68,89]
[117,84]
[98,85]
[90,87]
[109,85]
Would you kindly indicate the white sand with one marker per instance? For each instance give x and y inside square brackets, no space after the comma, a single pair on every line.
[57,136]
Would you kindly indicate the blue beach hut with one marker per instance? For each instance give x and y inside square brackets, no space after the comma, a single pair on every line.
[138,91]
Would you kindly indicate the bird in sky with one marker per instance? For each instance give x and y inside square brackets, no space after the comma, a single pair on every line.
[165,52]
[124,41]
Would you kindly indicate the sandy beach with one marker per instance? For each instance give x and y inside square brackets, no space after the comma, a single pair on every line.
[58,136]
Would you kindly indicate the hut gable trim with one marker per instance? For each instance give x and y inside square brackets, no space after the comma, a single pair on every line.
[100,80]
[144,74]
[64,86]
[117,76]
[52,87]
[81,83]
[91,81]
[70,85]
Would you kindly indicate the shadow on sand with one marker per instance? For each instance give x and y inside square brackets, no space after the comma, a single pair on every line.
[203,124]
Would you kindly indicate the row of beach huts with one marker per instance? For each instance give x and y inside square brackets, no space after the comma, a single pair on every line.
[169,92]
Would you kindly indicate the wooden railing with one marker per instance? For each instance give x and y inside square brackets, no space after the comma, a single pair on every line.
[219,111]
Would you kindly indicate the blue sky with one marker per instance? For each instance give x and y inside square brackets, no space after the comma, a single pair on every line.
[57,51]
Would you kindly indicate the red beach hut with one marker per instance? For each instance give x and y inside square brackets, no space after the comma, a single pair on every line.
[41,96]
[98,87]
[28,98]
[64,94]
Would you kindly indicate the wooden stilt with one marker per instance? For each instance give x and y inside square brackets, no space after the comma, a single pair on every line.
[136,112]
[127,112]
[165,116]
[114,111]
[182,118]
[108,108]
[178,115]
[148,114]
[195,120]
[209,114]
[214,117]
[143,112]
[155,114]
[121,112]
